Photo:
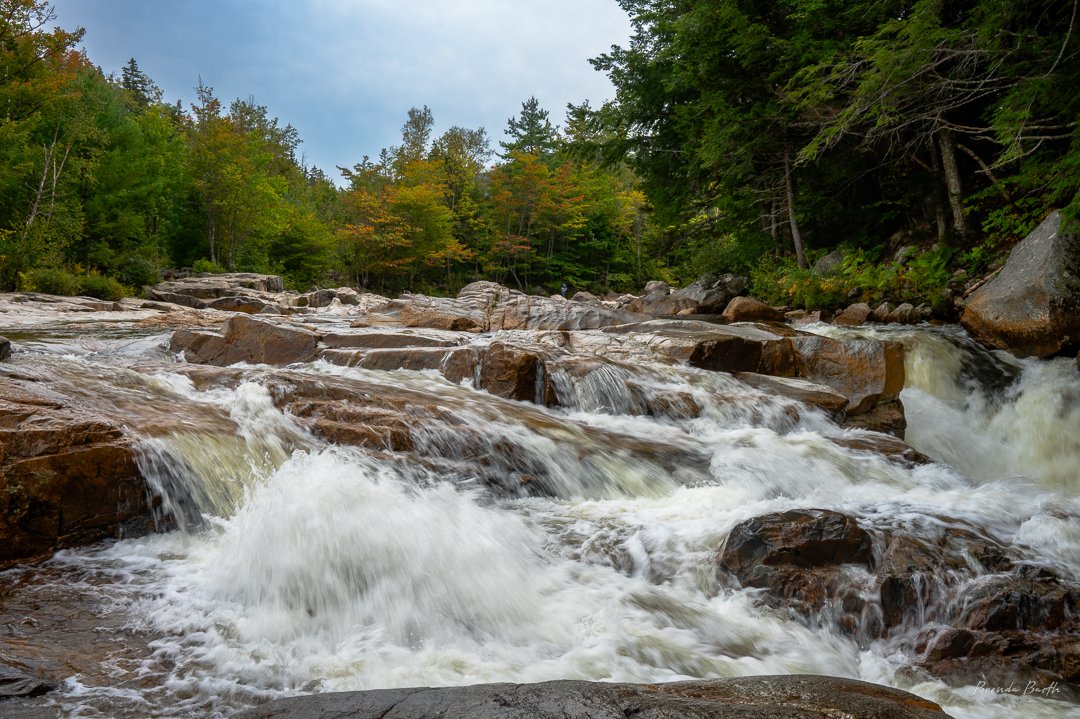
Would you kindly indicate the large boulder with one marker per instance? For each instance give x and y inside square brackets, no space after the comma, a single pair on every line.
[747,309]
[855,314]
[790,696]
[987,613]
[799,557]
[1032,307]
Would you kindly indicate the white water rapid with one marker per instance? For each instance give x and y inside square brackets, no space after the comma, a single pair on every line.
[297,566]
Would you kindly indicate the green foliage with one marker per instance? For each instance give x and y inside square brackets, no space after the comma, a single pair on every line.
[862,277]
[103,288]
[51,281]
[139,271]
[204,265]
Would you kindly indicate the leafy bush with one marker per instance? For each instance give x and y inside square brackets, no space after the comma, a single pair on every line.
[101,287]
[204,265]
[921,278]
[51,281]
[139,271]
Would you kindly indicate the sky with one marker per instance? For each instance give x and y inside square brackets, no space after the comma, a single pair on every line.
[346,72]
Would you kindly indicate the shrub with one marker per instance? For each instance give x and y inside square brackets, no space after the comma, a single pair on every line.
[51,281]
[101,287]
[139,271]
[204,265]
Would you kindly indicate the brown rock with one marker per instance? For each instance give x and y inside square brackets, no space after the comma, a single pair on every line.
[247,340]
[1032,307]
[867,372]
[881,312]
[798,538]
[511,372]
[816,395]
[905,314]
[917,572]
[812,317]
[803,559]
[16,683]
[5,348]
[66,477]
[437,313]
[887,417]
[247,305]
[747,309]
[884,444]
[855,314]
[454,363]
[388,338]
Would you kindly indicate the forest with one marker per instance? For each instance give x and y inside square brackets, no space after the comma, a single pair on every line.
[920,140]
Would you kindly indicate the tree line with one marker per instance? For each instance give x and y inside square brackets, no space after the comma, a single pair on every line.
[767,132]
[744,136]
[103,184]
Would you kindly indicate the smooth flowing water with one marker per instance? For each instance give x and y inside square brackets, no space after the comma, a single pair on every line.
[303,567]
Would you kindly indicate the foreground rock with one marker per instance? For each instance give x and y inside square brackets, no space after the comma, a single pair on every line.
[1032,307]
[971,609]
[67,477]
[795,697]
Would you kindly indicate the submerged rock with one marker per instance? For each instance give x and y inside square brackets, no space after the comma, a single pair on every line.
[792,696]
[1032,307]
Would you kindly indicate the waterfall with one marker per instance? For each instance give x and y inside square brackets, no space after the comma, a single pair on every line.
[507,541]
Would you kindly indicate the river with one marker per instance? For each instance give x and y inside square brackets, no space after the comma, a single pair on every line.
[297,566]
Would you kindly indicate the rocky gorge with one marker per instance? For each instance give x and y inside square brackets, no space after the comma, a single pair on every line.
[337,491]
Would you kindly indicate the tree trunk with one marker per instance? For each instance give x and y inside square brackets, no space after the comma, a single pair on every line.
[939,206]
[952,180]
[796,236]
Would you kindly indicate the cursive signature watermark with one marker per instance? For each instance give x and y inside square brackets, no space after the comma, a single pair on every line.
[1027,690]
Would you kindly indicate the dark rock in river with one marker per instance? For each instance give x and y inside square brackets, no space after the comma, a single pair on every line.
[793,697]
[986,611]
[15,683]
[5,348]
[798,556]
[1032,307]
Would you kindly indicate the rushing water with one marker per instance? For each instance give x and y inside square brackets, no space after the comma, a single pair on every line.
[301,567]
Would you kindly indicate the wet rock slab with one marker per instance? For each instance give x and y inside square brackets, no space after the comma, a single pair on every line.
[794,697]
